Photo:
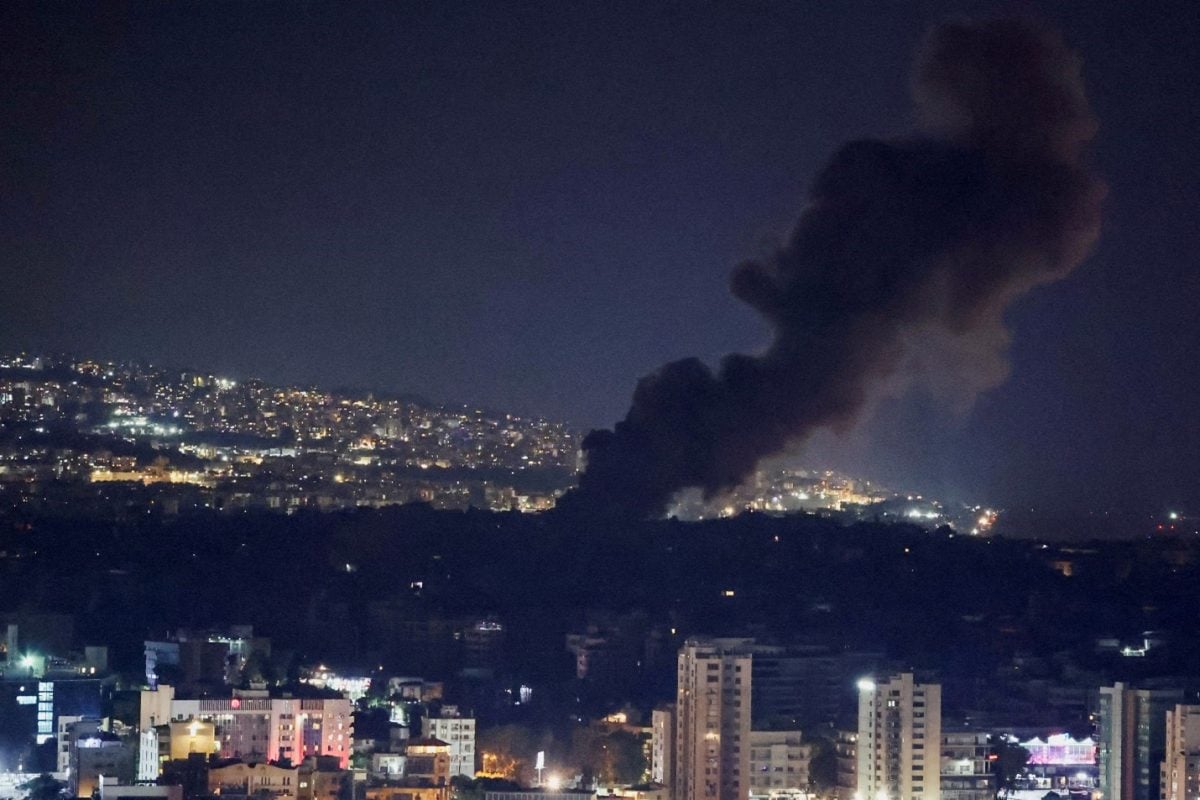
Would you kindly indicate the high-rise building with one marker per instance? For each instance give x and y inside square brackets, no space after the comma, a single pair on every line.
[899,739]
[1133,740]
[1181,766]
[712,730]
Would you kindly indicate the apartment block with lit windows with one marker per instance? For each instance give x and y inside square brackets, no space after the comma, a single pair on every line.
[899,739]
[712,730]
[1181,767]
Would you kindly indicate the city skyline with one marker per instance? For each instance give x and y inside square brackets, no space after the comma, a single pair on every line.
[636,400]
[77,432]
[426,203]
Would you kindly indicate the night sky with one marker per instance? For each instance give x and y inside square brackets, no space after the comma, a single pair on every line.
[530,206]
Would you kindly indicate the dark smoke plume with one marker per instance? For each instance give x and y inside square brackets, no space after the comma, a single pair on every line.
[904,245]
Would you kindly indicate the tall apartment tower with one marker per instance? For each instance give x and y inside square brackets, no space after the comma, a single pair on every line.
[1181,766]
[899,739]
[712,720]
[1133,740]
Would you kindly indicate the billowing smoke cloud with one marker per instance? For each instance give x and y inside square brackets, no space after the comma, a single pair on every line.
[906,248]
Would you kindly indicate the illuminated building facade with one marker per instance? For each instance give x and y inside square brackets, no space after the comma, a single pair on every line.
[846,749]
[1133,740]
[712,747]
[93,751]
[33,708]
[779,763]
[427,762]
[966,766]
[172,742]
[899,739]
[254,726]
[1181,766]
[1062,764]
[459,733]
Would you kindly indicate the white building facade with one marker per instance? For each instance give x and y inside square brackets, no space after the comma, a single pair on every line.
[458,732]
[256,727]
[899,739]
[779,764]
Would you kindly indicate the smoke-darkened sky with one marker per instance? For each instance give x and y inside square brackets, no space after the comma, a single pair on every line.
[532,205]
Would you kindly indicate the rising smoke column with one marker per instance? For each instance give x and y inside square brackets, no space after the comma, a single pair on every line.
[905,247]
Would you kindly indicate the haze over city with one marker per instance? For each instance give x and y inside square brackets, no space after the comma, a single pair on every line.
[506,206]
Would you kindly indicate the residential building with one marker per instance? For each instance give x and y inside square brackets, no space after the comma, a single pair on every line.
[1181,765]
[779,763]
[449,726]
[427,761]
[712,733]
[1133,740]
[320,778]
[239,778]
[899,739]
[966,766]
[94,752]
[845,747]
[174,741]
